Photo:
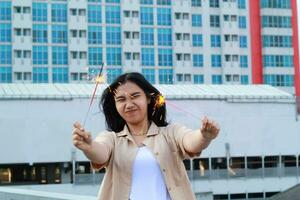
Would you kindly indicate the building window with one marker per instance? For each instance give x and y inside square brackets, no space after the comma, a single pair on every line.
[40,33]
[278,61]
[198,60]
[94,14]
[164,36]
[95,56]
[5,54]
[5,74]
[5,11]
[95,34]
[39,12]
[165,57]
[113,56]
[196,3]
[244,80]
[214,3]
[279,80]
[276,21]
[60,75]
[214,21]
[216,79]
[215,40]
[243,61]
[59,55]
[243,41]
[112,1]
[147,36]
[40,75]
[59,34]
[149,75]
[59,12]
[165,76]
[40,55]
[163,2]
[5,32]
[112,74]
[242,22]
[277,41]
[112,14]
[146,16]
[242,4]
[196,20]
[113,35]
[146,2]
[275,4]
[216,60]
[197,40]
[164,16]
[198,79]
[148,57]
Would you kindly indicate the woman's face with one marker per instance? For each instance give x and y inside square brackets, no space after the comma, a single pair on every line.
[131,103]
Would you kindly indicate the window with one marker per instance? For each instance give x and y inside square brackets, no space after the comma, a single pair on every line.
[39,12]
[164,16]
[94,14]
[214,21]
[163,2]
[196,3]
[216,61]
[279,80]
[275,4]
[40,33]
[196,20]
[243,41]
[112,14]
[198,60]
[113,56]
[5,32]
[5,10]
[197,40]
[278,61]
[147,36]
[112,1]
[113,35]
[149,74]
[215,40]
[242,22]
[243,61]
[59,12]
[214,3]
[277,41]
[146,16]
[244,80]
[147,2]
[5,74]
[59,55]
[164,36]
[5,54]
[40,75]
[242,4]
[148,57]
[95,56]
[59,34]
[112,74]
[216,79]
[95,35]
[60,75]
[40,55]
[165,76]
[198,79]
[165,57]
[276,21]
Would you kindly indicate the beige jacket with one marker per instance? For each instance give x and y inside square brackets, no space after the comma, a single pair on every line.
[166,144]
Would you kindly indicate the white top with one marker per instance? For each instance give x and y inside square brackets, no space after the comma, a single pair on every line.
[147,180]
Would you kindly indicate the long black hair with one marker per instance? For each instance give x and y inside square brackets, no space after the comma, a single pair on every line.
[114,121]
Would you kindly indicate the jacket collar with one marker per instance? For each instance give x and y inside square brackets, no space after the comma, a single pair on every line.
[153,130]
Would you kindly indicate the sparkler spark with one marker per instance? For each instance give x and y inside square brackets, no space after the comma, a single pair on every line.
[160,101]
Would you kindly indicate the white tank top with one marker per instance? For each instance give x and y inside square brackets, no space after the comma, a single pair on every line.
[147,180]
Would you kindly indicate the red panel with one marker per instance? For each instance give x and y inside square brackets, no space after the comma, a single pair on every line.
[256,46]
[296,47]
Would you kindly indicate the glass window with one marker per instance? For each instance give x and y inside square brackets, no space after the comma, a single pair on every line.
[165,76]
[5,10]
[40,55]
[215,40]
[197,40]
[94,14]
[59,12]
[148,57]
[5,74]
[244,80]
[242,22]
[147,2]
[59,55]
[147,36]
[112,14]
[198,79]
[242,4]
[243,41]
[198,60]
[196,20]
[40,33]
[214,3]
[40,75]
[214,21]
[113,56]
[216,79]
[146,16]
[5,32]
[5,54]
[112,74]
[163,2]
[149,74]
[60,75]
[95,56]
[39,12]
[113,35]
[196,3]
[164,36]
[59,34]
[164,16]
[216,60]
[95,35]
[275,4]
[243,61]
[165,57]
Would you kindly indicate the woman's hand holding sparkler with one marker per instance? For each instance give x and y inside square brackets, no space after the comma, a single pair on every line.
[210,129]
[81,139]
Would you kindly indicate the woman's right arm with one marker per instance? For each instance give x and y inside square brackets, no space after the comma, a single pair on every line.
[96,152]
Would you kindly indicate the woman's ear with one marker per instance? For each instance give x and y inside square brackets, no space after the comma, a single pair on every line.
[148,100]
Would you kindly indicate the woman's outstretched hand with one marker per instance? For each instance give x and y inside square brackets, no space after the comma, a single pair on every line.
[81,139]
[210,129]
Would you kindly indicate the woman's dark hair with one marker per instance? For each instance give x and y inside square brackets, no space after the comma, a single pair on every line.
[114,121]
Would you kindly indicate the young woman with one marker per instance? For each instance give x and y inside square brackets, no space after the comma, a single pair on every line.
[141,152]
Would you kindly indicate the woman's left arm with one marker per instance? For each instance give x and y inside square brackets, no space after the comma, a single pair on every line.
[195,143]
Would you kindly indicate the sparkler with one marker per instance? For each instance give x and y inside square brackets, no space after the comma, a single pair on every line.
[98,79]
